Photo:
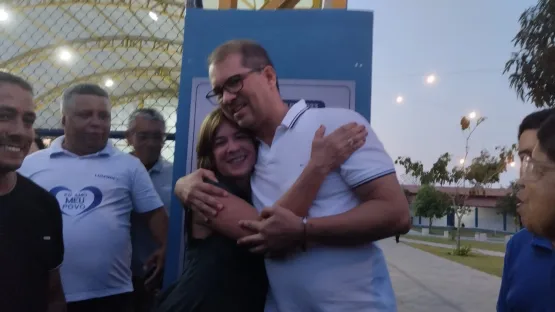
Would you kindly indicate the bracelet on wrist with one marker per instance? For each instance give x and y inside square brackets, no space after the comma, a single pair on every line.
[303,238]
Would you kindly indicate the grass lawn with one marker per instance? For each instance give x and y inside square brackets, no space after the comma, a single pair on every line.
[488,264]
[478,245]
[464,232]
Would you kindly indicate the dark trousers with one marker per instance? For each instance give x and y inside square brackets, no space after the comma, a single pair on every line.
[115,303]
[143,300]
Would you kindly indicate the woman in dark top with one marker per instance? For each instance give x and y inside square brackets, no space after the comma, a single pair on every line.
[219,275]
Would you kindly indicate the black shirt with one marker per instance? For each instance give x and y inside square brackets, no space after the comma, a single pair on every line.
[219,275]
[31,245]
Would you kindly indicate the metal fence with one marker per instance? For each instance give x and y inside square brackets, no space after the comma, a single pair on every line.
[131,48]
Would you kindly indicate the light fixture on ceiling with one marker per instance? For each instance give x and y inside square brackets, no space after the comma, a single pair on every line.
[153,16]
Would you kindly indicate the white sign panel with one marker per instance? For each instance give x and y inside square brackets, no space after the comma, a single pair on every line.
[317,93]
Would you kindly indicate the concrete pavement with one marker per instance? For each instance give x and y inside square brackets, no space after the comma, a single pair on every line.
[424,282]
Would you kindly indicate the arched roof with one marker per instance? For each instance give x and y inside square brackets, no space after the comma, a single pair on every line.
[133,47]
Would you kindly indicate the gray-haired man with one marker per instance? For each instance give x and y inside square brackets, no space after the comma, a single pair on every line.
[146,134]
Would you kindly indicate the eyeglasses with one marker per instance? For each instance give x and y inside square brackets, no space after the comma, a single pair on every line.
[534,169]
[233,84]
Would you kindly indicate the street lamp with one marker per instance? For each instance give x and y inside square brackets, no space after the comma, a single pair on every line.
[153,16]
[431,79]
[4,15]
[65,55]
[109,83]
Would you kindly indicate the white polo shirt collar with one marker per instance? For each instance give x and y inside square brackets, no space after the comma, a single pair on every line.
[294,114]
[56,149]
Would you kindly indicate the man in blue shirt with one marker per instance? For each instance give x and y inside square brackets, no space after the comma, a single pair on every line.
[527,283]
[146,134]
[97,188]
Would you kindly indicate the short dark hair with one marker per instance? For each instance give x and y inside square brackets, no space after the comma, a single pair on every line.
[82,89]
[534,120]
[253,54]
[546,137]
[6,77]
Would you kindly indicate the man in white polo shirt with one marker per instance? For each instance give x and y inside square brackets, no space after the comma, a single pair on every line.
[362,202]
[97,188]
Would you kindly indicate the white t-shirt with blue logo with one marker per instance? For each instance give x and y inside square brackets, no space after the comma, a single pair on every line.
[97,194]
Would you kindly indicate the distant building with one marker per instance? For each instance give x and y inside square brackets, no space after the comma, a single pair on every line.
[483,213]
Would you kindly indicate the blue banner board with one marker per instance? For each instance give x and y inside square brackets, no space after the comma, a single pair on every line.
[322,56]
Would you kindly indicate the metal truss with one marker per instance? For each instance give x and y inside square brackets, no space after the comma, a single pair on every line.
[121,43]
[110,43]
[173,9]
[122,74]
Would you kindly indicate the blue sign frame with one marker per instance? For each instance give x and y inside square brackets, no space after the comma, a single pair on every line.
[303,44]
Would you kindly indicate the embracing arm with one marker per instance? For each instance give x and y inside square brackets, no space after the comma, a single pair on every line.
[302,193]
[327,154]
[383,212]
[298,199]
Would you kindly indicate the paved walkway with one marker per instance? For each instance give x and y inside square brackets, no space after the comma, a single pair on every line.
[424,282]
[481,251]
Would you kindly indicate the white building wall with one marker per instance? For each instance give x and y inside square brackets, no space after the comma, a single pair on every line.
[435,222]
[467,219]
[512,223]
[490,218]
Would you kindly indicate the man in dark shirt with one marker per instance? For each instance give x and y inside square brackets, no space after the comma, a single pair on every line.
[31,246]
[526,284]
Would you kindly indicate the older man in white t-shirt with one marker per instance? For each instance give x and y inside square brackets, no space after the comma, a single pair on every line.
[342,268]
[97,187]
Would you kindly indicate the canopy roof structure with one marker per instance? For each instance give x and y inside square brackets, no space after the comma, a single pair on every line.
[133,48]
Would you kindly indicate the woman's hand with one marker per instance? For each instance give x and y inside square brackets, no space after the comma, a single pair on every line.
[331,151]
[199,195]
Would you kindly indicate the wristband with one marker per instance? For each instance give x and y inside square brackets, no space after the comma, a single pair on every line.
[303,240]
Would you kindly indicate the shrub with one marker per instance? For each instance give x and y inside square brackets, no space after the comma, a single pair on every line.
[463,251]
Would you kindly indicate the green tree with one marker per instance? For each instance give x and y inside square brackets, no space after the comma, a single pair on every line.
[509,203]
[431,203]
[466,180]
[532,68]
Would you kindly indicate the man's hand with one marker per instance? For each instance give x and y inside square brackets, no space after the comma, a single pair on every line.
[333,150]
[279,229]
[199,195]
[157,260]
